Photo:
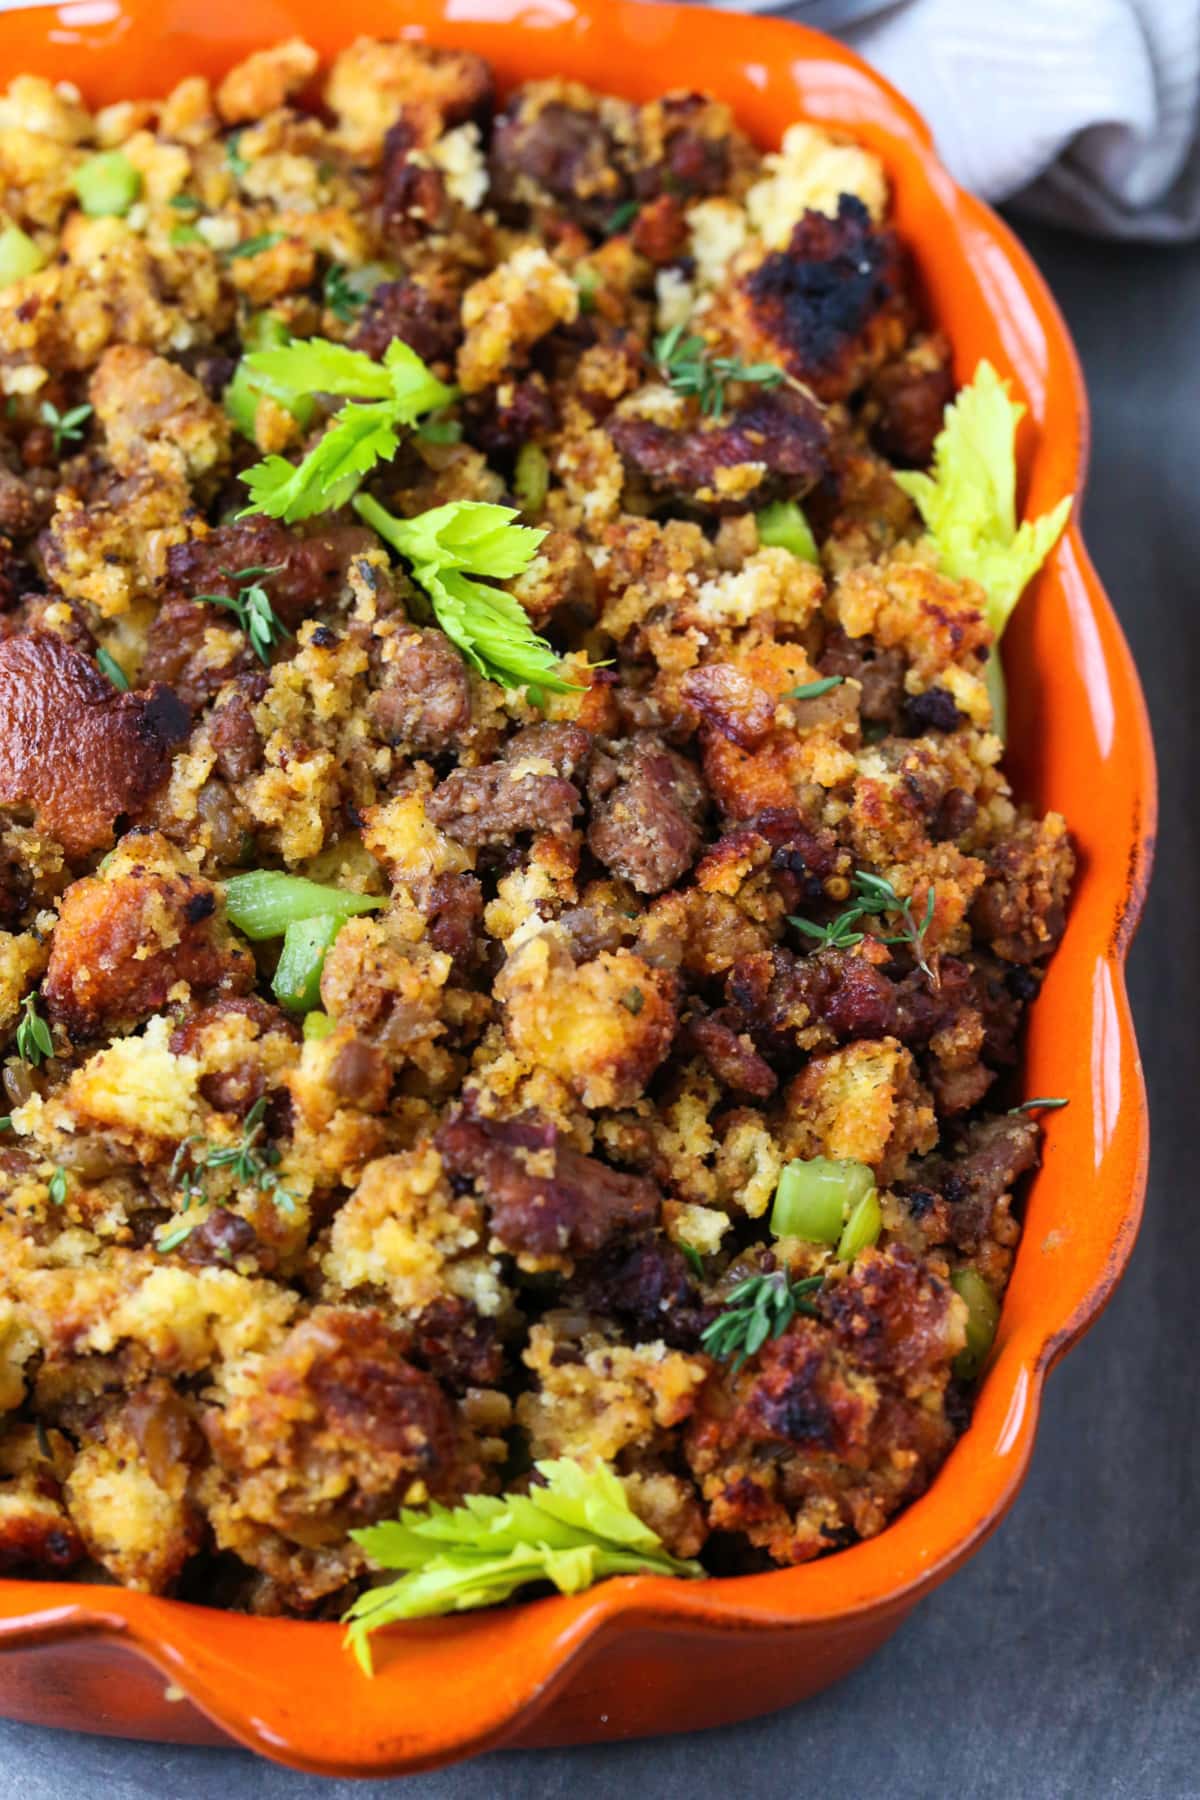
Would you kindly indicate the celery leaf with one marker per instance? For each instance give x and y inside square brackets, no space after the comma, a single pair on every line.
[449,545]
[382,397]
[361,435]
[968,503]
[575,1530]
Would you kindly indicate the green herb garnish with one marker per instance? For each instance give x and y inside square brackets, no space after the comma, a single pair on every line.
[968,504]
[184,203]
[1049,1104]
[238,166]
[265,331]
[812,690]
[254,246]
[250,1162]
[251,606]
[450,545]
[176,1236]
[622,217]
[874,895]
[693,1258]
[65,428]
[33,1040]
[340,294]
[839,934]
[57,1189]
[575,1530]
[689,366]
[761,1307]
[879,896]
[184,234]
[387,395]
[108,665]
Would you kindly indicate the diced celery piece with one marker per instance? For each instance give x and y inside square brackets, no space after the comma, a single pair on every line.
[862,1227]
[297,979]
[783,525]
[264,902]
[532,477]
[107,184]
[983,1315]
[815,1197]
[19,255]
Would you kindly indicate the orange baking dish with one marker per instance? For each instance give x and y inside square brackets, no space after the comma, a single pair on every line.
[643,1655]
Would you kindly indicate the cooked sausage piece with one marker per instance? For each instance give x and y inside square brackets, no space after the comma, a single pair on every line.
[647,802]
[544,1199]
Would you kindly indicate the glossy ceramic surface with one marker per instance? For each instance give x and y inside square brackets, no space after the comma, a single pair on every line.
[646,1655]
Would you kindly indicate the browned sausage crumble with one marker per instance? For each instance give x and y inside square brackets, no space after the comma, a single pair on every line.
[259,1284]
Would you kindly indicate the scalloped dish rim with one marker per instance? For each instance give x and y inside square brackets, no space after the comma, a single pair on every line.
[450,1688]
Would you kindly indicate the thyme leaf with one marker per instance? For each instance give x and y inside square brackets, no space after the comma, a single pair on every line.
[687,364]
[251,606]
[342,292]
[874,895]
[812,690]
[108,665]
[254,246]
[250,1162]
[34,1041]
[233,156]
[65,428]
[759,1308]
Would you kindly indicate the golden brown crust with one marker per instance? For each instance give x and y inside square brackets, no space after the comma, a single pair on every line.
[127,941]
[265,1278]
[71,748]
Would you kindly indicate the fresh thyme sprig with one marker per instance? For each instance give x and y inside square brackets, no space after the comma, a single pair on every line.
[251,606]
[34,1041]
[761,1307]
[250,1162]
[689,366]
[839,934]
[879,896]
[874,894]
[65,428]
